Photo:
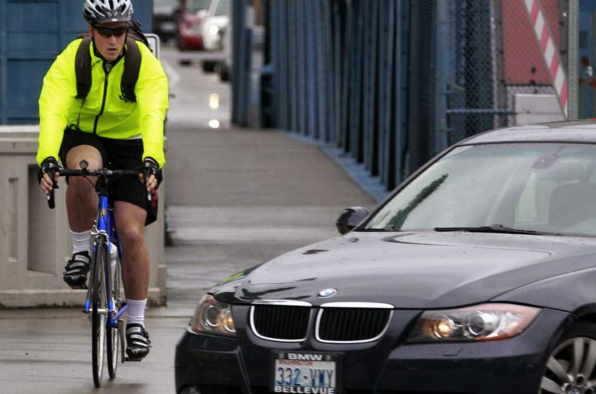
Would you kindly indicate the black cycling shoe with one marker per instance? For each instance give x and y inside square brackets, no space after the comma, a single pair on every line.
[137,342]
[76,270]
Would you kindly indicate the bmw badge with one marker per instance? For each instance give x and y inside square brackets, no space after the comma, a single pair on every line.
[326,293]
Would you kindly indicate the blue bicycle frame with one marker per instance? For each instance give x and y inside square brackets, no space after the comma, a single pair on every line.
[105,227]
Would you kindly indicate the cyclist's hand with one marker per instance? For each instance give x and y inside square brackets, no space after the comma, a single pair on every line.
[154,177]
[43,175]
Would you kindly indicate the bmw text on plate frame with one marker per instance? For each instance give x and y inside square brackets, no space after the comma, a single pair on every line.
[305,373]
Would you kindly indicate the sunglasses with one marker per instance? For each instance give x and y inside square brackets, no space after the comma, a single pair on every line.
[106,32]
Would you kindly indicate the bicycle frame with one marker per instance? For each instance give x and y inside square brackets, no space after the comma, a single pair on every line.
[105,227]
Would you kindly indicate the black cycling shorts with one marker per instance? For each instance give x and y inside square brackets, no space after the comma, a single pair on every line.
[116,155]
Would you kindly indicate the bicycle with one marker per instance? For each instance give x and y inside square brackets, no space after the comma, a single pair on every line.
[103,303]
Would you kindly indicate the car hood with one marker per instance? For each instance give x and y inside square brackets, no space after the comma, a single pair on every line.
[411,270]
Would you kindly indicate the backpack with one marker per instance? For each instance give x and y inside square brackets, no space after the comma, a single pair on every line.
[132,64]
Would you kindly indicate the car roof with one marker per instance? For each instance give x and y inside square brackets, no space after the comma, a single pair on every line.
[582,131]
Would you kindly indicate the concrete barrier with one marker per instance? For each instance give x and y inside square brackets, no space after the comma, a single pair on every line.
[35,243]
[537,108]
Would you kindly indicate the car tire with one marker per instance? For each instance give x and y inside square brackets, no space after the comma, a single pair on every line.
[222,70]
[563,373]
[208,66]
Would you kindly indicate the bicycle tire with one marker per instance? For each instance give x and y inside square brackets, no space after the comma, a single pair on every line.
[113,333]
[98,315]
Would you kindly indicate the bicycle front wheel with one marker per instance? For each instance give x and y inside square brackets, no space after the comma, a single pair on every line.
[97,287]
[113,333]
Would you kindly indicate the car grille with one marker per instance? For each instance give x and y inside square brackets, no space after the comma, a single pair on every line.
[351,325]
[280,323]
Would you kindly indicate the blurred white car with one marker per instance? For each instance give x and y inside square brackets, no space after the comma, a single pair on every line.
[215,23]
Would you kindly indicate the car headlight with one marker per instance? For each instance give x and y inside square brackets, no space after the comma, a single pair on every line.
[213,317]
[487,322]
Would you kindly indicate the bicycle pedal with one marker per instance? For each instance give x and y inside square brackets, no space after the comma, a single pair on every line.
[130,359]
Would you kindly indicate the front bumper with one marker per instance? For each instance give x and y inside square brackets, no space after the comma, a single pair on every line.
[244,365]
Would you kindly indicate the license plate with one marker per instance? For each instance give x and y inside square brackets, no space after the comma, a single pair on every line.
[305,373]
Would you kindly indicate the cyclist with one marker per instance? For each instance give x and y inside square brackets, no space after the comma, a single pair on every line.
[106,130]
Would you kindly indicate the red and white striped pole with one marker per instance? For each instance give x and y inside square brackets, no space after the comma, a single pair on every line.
[549,51]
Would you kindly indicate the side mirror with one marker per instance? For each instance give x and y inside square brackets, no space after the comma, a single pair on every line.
[350,218]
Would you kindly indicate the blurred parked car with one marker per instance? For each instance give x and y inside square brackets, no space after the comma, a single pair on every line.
[475,276]
[215,23]
[164,18]
[192,13]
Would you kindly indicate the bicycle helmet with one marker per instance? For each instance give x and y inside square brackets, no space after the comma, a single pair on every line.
[106,11]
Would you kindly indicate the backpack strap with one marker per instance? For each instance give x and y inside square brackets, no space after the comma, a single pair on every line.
[132,66]
[83,68]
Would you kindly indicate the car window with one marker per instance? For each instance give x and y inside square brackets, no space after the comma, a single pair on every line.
[197,5]
[541,187]
[223,8]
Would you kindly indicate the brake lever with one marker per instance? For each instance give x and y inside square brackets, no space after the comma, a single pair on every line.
[50,196]
[146,174]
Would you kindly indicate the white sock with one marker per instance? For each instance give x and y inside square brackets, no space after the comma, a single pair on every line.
[136,311]
[80,241]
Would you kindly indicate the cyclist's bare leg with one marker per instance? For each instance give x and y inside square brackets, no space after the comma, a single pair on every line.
[130,222]
[81,199]
[81,205]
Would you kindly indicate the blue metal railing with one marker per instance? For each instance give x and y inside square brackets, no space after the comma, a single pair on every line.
[372,81]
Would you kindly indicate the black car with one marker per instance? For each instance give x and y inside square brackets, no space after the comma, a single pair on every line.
[476,276]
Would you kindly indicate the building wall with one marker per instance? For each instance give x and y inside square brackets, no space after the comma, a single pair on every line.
[32,34]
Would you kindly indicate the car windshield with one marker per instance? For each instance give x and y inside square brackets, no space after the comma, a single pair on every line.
[542,187]
[197,5]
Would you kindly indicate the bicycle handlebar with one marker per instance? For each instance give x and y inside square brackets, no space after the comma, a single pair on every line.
[84,172]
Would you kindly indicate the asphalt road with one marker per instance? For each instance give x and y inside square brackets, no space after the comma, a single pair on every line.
[235,198]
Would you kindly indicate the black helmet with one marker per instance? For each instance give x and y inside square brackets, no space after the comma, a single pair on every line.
[105,11]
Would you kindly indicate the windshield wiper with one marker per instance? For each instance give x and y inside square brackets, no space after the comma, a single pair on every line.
[495,228]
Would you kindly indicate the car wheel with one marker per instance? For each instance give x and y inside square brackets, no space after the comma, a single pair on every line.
[208,66]
[224,75]
[570,366]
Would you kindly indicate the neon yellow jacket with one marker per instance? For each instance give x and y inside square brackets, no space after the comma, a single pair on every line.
[59,107]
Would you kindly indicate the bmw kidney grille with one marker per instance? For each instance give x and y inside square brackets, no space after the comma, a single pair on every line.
[333,325]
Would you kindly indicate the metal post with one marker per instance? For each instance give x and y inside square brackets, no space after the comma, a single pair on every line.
[311,76]
[441,138]
[3,63]
[322,74]
[347,58]
[293,83]
[573,58]
[387,143]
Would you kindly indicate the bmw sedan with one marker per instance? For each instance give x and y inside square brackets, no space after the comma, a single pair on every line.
[476,276]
